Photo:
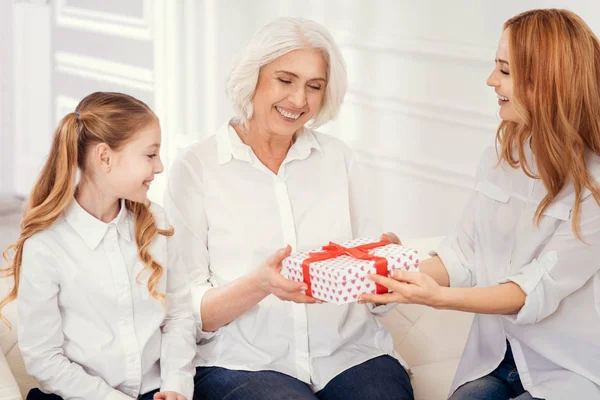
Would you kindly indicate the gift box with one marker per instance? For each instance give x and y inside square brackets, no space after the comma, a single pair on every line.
[338,273]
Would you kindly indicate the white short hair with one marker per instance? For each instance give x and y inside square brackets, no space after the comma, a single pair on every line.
[275,40]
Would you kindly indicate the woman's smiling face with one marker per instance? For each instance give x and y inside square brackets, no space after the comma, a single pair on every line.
[290,91]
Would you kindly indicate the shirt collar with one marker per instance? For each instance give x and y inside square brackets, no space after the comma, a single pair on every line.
[91,229]
[229,145]
[304,144]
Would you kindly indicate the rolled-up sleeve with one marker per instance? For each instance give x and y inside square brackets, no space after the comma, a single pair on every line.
[457,251]
[184,204]
[40,331]
[563,267]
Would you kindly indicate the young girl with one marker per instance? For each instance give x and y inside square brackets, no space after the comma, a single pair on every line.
[525,257]
[104,309]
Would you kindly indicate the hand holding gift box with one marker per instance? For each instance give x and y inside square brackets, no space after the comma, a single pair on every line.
[338,273]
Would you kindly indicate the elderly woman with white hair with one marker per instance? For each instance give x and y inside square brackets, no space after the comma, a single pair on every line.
[266,180]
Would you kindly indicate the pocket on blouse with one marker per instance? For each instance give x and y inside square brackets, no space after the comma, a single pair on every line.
[559,210]
[492,191]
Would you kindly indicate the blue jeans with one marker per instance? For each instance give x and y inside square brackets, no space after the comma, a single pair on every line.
[37,394]
[381,377]
[503,383]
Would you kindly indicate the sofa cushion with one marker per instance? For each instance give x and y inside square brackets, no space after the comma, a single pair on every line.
[431,341]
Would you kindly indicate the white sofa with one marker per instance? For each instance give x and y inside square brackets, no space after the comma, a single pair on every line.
[13,379]
[430,341]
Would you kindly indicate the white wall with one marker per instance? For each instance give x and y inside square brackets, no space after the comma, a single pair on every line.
[418,111]
[6,98]
[32,83]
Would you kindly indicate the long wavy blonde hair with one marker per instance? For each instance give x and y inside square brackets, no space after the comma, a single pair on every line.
[111,118]
[555,65]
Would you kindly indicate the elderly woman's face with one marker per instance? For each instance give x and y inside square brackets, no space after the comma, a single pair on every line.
[290,91]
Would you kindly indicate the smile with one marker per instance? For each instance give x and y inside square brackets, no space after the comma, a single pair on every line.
[287,114]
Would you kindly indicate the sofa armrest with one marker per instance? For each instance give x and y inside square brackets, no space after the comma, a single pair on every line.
[8,338]
[9,389]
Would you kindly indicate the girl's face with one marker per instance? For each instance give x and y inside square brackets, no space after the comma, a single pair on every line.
[134,165]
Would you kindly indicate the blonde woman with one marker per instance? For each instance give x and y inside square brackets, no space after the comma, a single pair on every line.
[103,301]
[525,257]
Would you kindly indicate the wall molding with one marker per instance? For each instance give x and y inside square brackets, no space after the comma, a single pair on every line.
[464,53]
[32,111]
[104,71]
[427,170]
[64,105]
[462,116]
[87,20]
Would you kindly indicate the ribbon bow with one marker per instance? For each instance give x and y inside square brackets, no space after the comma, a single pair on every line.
[334,250]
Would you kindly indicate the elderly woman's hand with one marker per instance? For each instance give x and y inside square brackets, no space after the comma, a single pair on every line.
[272,282]
[390,237]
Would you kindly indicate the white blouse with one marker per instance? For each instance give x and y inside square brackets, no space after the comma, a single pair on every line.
[234,213]
[555,337]
[87,329]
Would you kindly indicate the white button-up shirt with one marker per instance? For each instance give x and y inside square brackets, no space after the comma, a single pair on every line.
[234,212]
[87,329]
[555,337]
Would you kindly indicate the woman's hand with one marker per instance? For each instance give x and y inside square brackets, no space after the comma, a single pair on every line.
[168,396]
[390,237]
[272,282]
[406,287]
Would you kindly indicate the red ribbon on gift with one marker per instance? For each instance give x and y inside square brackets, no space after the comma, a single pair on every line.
[334,250]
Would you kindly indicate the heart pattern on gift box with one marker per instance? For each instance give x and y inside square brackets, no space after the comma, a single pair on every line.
[347,273]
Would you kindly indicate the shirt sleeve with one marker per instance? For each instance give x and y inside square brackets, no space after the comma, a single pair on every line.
[184,204]
[178,344]
[457,251]
[563,267]
[40,332]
